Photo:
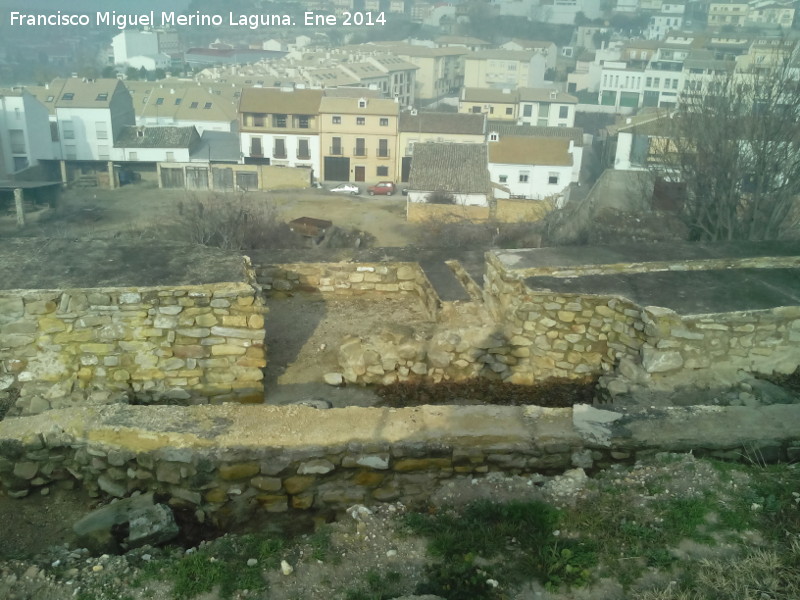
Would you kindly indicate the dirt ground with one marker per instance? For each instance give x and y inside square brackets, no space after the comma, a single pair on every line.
[303,334]
[143,208]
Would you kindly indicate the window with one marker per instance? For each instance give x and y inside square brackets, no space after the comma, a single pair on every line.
[648,82]
[509,110]
[336,145]
[657,82]
[67,130]
[552,178]
[302,149]
[384,122]
[503,178]
[674,84]
[337,120]
[255,147]
[476,109]
[360,149]
[171,156]
[207,105]
[70,152]
[178,101]
[279,120]
[194,105]
[279,149]
[54,131]
[258,120]
[302,122]
[68,96]
[360,120]
[493,137]
[133,156]
[527,110]
[563,112]
[159,101]
[102,97]
[382,171]
[523,177]
[101,130]
[17,139]
[383,148]
[362,103]
[102,152]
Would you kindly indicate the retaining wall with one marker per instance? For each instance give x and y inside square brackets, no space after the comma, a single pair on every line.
[231,461]
[350,279]
[196,343]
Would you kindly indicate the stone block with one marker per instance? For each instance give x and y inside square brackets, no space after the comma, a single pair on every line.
[315,467]
[661,361]
[297,484]
[234,471]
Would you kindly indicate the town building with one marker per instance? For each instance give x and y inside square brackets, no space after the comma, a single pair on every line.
[358,138]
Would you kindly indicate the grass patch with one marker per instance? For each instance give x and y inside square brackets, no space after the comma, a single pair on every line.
[378,586]
[223,568]
[466,545]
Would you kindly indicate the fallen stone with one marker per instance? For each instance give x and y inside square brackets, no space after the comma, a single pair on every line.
[335,379]
[152,526]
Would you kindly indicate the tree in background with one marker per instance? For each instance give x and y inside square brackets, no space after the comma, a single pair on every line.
[733,147]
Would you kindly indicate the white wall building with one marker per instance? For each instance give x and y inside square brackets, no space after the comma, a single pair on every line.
[25,133]
[91,115]
[131,43]
[534,167]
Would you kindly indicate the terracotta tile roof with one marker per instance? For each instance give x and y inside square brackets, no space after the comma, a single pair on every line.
[157,137]
[349,106]
[433,122]
[530,151]
[450,167]
[273,100]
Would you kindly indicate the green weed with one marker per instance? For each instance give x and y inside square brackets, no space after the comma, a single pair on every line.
[379,586]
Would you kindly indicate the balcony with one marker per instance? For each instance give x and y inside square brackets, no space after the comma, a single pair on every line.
[359,151]
[304,155]
[336,150]
[383,153]
[279,153]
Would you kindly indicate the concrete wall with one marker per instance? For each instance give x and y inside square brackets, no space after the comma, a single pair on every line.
[198,343]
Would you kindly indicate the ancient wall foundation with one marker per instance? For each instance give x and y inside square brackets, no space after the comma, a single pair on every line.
[196,343]
[350,279]
[230,461]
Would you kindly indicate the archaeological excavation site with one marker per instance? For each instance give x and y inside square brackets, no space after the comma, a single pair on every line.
[230,385]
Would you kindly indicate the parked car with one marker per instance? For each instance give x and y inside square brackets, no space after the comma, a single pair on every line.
[346,188]
[383,188]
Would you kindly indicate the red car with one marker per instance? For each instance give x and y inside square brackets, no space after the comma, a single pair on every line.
[383,188]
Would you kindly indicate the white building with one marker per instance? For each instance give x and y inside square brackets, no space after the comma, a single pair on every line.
[91,115]
[533,167]
[25,133]
[157,144]
[668,19]
[139,49]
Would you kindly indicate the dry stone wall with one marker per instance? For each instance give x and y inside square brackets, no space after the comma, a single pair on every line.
[227,462]
[350,279]
[197,343]
[561,335]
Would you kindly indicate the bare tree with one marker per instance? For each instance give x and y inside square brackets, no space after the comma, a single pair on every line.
[733,145]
